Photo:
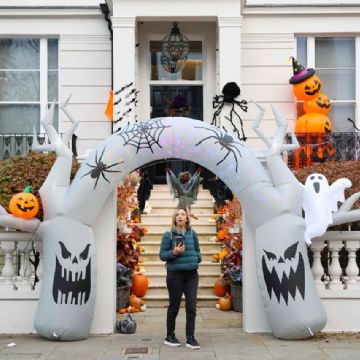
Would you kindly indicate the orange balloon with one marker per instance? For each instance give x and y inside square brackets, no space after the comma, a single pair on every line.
[313,123]
[308,89]
[320,104]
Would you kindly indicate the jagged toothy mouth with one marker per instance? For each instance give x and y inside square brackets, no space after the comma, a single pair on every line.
[24,208]
[71,287]
[288,284]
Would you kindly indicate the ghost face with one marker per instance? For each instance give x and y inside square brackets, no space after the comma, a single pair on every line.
[72,278]
[316,183]
[284,273]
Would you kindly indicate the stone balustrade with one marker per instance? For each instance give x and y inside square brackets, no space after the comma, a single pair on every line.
[17,269]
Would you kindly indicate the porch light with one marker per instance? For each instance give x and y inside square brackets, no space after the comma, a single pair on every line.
[175,48]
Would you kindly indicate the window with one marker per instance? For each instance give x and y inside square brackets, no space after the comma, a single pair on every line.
[28,82]
[334,60]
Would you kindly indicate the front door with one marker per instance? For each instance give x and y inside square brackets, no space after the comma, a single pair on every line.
[184,101]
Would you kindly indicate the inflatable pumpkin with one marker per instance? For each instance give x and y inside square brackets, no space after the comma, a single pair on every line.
[320,104]
[308,89]
[24,205]
[313,123]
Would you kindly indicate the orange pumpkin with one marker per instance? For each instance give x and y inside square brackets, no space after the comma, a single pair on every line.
[313,123]
[308,88]
[221,287]
[140,284]
[135,302]
[24,205]
[320,104]
[221,234]
[122,310]
[224,303]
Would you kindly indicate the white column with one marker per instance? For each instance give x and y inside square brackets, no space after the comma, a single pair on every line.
[8,271]
[23,282]
[40,268]
[317,246]
[334,268]
[124,67]
[352,270]
[229,47]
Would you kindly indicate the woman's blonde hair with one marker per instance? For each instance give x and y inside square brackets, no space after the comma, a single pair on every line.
[174,217]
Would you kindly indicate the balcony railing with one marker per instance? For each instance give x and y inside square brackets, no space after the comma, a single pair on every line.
[20,144]
[320,147]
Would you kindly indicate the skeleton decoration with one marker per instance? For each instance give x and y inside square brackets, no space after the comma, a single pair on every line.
[319,202]
[230,92]
[271,200]
[284,274]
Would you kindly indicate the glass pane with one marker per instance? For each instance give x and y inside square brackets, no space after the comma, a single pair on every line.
[19,85]
[19,118]
[339,115]
[171,101]
[53,54]
[335,52]
[338,84]
[302,50]
[56,116]
[53,85]
[19,54]
[191,71]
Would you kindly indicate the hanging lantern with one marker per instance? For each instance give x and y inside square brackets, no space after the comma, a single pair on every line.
[175,48]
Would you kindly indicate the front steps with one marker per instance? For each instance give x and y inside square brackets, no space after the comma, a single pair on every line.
[157,223]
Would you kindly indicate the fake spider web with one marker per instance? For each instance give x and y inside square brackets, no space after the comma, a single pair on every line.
[144,135]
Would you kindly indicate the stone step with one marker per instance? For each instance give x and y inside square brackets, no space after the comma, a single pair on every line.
[199,228]
[154,247]
[166,210]
[204,266]
[166,195]
[172,203]
[150,256]
[166,218]
[156,237]
[158,280]
[203,291]
[163,301]
[165,187]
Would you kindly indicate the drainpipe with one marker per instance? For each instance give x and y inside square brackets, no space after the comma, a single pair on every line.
[106,11]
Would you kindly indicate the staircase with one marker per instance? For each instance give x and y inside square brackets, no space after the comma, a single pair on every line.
[157,223]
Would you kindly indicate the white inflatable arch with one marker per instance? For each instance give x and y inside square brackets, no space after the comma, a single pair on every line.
[271,200]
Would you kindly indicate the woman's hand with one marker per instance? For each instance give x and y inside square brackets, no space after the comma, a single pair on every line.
[178,249]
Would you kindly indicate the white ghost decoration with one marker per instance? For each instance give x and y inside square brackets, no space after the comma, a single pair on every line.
[319,202]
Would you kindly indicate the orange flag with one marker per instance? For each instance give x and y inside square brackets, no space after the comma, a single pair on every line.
[109,111]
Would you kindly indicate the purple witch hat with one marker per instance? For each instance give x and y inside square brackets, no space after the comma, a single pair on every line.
[300,73]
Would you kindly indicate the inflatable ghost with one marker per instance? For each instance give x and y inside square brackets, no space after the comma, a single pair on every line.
[319,202]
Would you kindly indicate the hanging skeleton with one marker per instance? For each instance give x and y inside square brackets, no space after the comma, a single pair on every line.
[230,92]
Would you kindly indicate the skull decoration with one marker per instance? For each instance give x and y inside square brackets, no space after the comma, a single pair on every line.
[284,273]
[72,278]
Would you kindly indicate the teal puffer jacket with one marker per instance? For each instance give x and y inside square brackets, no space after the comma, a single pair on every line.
[189,259]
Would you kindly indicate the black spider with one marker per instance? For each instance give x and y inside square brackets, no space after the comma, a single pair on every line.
[230,91]
[225,140]
[100,168]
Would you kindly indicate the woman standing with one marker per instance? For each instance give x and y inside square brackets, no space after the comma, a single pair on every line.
[180,249]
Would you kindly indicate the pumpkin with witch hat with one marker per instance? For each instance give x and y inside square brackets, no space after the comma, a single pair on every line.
[24,205]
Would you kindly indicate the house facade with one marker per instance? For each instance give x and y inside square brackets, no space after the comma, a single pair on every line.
[50,50]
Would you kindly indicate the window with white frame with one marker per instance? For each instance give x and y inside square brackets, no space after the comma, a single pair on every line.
[334,59]
[28,82]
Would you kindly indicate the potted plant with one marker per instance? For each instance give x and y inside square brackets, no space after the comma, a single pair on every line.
[235,276]
[123,285]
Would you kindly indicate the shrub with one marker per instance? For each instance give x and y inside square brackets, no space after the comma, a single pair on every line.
[18,172]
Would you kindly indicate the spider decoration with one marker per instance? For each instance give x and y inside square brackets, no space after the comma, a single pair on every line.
[100,168]
[230,91]
[226,141]
[144,135]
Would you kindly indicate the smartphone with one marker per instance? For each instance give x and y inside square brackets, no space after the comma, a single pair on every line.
[179,240]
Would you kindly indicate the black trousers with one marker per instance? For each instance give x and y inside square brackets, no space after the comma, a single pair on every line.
[179,282]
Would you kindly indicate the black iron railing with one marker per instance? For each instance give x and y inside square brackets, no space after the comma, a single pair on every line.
[20,144]
[321,147]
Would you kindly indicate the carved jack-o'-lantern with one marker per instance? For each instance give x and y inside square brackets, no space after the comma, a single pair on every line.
[308,89]
[24,205]
[320,104]
[313,123]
